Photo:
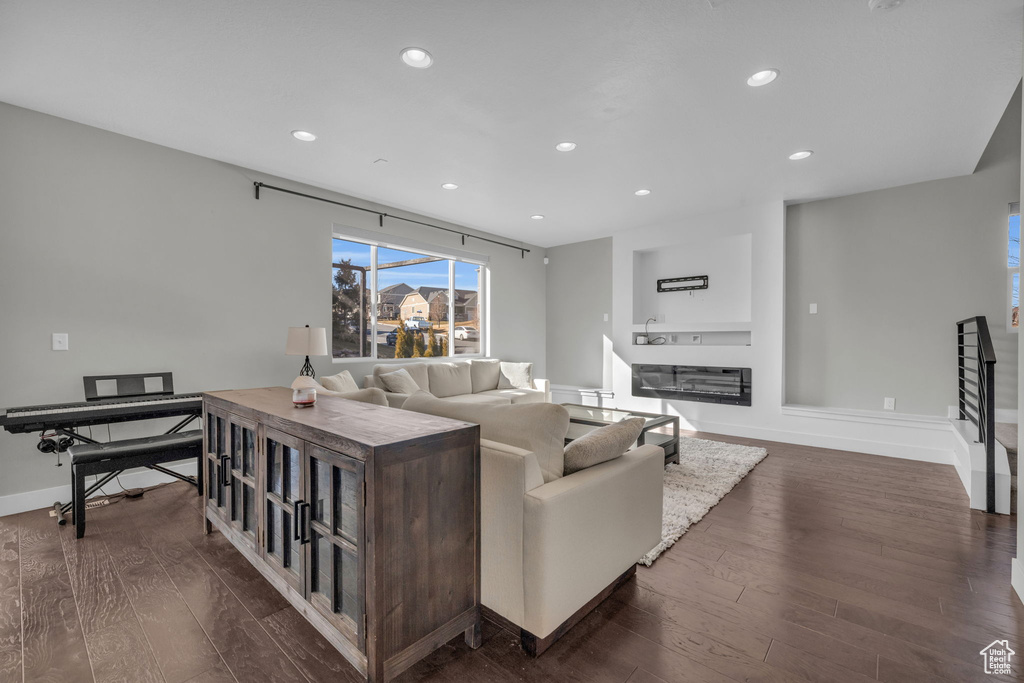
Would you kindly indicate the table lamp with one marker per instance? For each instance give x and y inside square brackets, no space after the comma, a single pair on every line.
[306,341]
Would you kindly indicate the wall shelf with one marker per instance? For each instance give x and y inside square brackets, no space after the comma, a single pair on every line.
[690,337]
[680,327]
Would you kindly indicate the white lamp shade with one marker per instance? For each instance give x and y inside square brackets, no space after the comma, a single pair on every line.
[306,341]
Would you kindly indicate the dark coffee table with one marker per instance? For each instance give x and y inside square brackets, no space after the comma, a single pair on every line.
[583,419]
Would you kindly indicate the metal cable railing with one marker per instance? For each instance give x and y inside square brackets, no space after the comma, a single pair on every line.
[976,370]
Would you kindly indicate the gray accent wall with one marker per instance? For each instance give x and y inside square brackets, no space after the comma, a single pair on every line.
[157,260]
[579,291]
[891,271]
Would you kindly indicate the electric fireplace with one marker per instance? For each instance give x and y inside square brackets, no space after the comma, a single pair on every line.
[693,383]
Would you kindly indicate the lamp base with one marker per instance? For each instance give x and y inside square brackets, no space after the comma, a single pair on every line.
[307,370]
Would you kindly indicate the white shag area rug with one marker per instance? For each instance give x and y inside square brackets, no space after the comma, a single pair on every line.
[707,470]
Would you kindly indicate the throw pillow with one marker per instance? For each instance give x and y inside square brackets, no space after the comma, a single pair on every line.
[399,382]
[485,374]
[341,382]
[602,444]
[449,379]
[515,376]
[418,371]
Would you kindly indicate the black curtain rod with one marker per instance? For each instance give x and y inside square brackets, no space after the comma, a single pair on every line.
[257,185]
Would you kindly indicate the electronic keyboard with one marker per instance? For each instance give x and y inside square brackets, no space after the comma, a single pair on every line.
[26,419]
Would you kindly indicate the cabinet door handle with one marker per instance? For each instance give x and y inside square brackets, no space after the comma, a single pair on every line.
[304,524]
[296,507]
[225,470]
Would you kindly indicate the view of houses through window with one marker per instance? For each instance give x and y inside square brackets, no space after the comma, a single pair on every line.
[421,305]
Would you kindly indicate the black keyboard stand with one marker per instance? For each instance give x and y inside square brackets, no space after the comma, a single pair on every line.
[76,472]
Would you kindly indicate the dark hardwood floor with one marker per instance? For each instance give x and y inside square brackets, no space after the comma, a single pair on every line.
[820,566]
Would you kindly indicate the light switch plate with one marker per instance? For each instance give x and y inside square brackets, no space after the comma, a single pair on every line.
[606,317]
[814,309]
[60,341]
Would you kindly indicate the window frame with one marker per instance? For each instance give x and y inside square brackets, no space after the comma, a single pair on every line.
[1011,271]
[375,240]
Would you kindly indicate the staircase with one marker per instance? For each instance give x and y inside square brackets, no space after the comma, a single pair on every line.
[1006,434]
[981,460]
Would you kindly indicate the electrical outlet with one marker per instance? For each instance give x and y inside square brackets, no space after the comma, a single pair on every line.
[890,404]
[659,317]
[60,341]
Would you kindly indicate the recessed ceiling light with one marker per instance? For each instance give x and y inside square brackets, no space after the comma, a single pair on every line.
[417,57]
[565,146]
[303,135]
[642,193]
[763,78]
[803,154]
[450,186]
[884,4]
[537,217]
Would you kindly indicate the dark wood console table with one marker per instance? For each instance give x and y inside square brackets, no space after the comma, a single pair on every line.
[367,519]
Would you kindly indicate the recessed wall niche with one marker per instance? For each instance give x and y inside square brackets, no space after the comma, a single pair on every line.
[727,263]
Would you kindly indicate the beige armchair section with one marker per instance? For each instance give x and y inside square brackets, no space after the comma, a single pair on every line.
[552,548]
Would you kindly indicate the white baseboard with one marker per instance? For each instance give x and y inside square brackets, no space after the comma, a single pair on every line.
[1017,577]
[45,498]
[941,456]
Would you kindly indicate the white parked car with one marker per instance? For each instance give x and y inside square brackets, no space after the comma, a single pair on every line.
[464,333]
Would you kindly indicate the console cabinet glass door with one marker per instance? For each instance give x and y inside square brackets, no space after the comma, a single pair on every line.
[335,531]
[242,450]
[218,480]
[283,506]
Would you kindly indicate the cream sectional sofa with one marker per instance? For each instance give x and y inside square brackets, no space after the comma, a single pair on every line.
[552,544]
[470,381]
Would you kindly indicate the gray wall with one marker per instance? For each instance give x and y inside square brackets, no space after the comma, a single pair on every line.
[579,287]
[154,259]
[891,272]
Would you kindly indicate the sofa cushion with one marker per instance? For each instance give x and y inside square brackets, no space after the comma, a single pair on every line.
[602,444]
[399,382]
[341,382]
[515,375]
[517,395]
[449,379]
[536,427]
[485,374]
[417,370]
[484,398]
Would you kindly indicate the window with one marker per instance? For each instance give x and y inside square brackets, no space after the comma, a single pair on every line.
[1013,267]
[395,302]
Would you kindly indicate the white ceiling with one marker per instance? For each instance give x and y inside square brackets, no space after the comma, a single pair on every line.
[654,92]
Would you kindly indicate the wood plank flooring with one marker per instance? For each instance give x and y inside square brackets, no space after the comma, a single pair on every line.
[819,566]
